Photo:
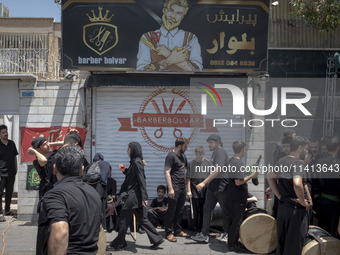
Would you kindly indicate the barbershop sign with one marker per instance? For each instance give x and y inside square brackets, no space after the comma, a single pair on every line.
[134,35]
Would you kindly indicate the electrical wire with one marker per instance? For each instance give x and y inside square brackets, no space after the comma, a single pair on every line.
[3,235]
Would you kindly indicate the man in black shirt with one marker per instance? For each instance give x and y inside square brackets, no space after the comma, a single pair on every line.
[288,186]
[70,213]
[158,207]
[217,189]
[175,175]
[8,169]
[237,195]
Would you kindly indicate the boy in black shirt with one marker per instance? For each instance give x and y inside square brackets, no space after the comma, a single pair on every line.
[197,172]
[216,191]
[158,207]
[237,195]
[289,187]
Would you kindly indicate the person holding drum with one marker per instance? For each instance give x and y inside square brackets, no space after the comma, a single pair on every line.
[237,195]
[289,187]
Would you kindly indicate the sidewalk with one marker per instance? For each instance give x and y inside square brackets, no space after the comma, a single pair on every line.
[20,239]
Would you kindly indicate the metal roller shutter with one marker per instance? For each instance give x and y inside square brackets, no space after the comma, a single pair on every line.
[111,103]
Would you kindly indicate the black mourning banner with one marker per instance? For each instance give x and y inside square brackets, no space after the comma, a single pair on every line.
[126,35]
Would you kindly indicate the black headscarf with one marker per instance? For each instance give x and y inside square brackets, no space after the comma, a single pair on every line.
[135,151]
[105,168]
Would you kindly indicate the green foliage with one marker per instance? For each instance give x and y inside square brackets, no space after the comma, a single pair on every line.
[324,15]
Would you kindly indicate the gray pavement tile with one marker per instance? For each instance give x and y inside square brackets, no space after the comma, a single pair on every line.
[20,239]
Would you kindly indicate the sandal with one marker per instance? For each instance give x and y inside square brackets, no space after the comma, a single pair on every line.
[2,218]
[171,238]
[182,234]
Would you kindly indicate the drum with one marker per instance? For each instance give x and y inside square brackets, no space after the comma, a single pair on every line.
[101,242]
[312,247]
[258,231]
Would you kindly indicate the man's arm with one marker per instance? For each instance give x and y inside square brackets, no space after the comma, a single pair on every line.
[143,56]
[299,191]
[58,240]
[42,160]
[189,188]
[220,160]
[207,180]
[171,192]
[239,182]
[193,61]
[310,201]
[271,178]
[57,143]
[15,164]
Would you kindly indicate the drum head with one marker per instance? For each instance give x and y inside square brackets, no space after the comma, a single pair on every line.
[332,246]
[258,233]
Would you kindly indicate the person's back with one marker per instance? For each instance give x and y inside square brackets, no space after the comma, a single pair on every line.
[80,207]
[71,208]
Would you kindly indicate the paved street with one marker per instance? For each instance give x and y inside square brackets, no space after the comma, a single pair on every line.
[20,239]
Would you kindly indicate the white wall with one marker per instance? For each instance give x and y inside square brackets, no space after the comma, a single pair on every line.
[55,103]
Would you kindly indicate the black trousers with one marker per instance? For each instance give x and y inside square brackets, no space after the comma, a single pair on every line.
[329,215]
[141,218]
[197,206]
[292,229]
[7,183]
[211,199]
[156,217]
[9,191]
[174,213]
[236,209]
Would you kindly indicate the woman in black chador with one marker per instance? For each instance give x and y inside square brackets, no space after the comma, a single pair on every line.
[136,202]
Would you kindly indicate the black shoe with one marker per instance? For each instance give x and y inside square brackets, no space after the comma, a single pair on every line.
[238,248]
[155,245]
[111,248]
[141,231]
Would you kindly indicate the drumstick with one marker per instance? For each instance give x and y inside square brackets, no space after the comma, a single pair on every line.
[149,44]
[134,226]
[191,209]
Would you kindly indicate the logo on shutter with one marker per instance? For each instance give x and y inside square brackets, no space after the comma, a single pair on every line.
[165,114]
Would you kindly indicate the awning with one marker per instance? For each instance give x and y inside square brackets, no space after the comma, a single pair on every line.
[144,80]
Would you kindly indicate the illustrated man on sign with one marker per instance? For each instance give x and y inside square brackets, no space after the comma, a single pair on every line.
[170,48]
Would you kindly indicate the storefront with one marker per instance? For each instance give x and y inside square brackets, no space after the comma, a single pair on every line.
[148,87]
[155,116]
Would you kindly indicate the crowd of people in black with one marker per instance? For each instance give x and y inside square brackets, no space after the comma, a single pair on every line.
[307,194]
[71,215]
